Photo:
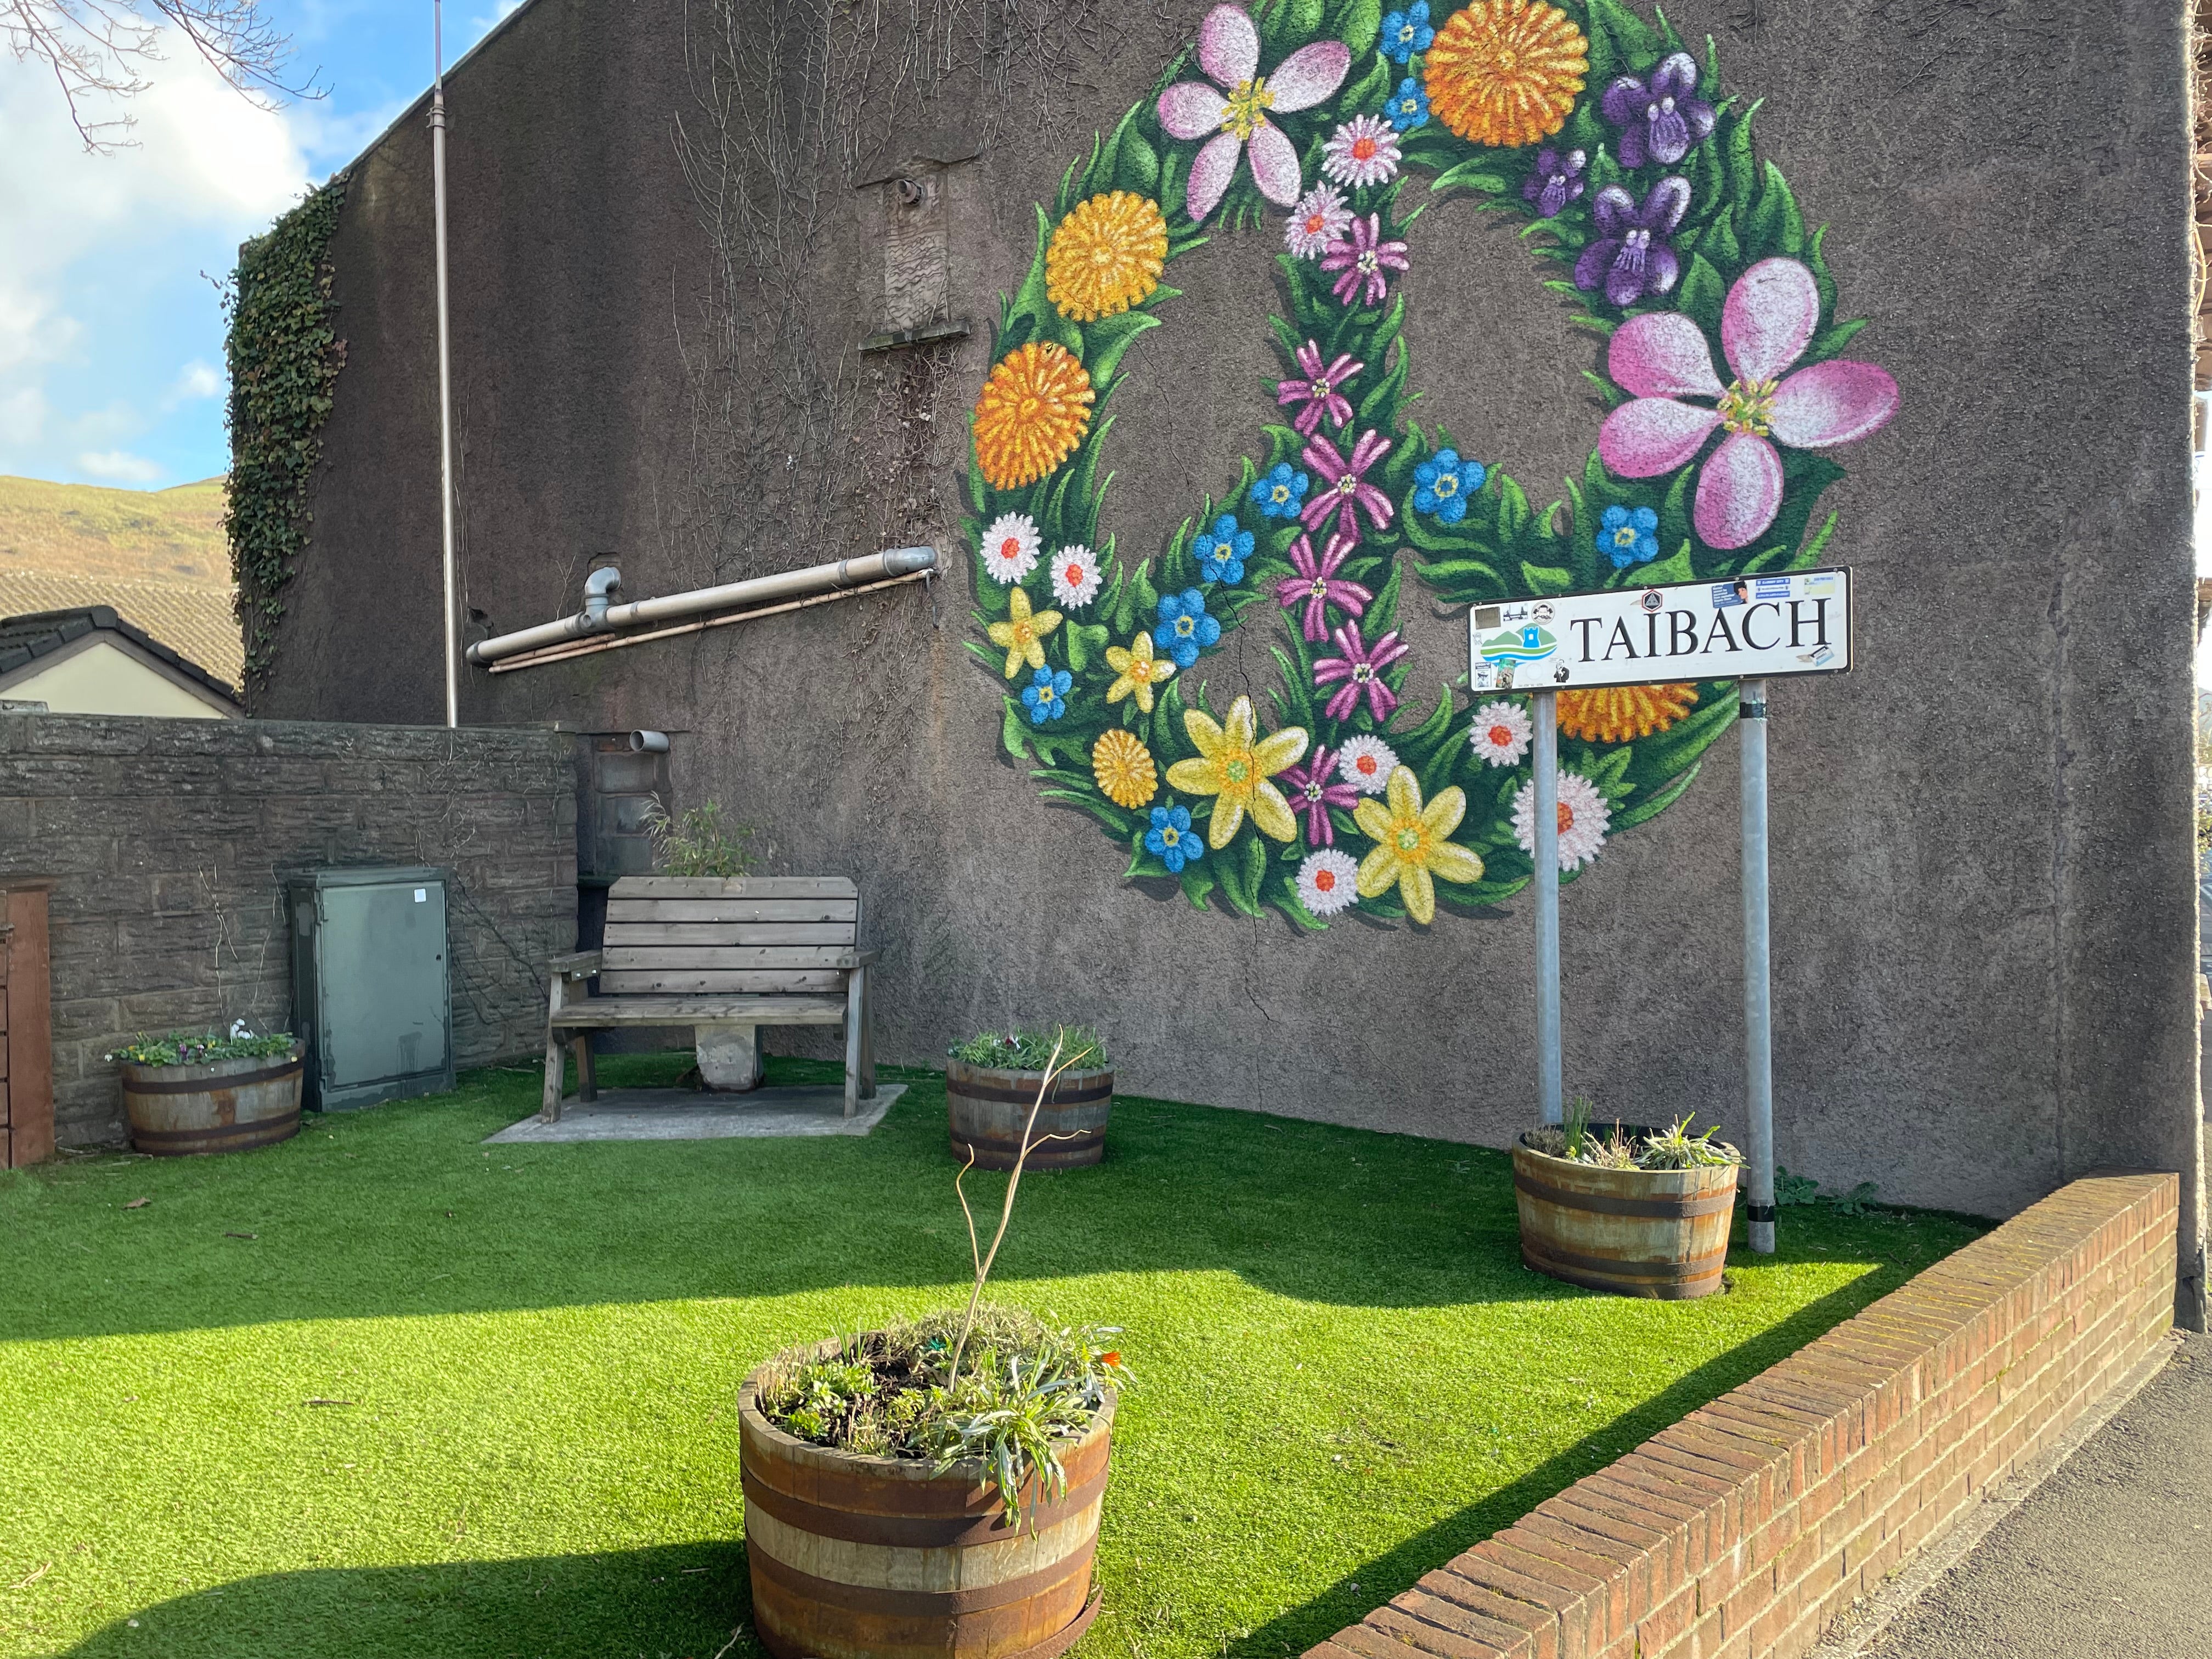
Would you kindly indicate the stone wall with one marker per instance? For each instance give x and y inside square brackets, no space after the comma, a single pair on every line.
[169,839]
[1983,903]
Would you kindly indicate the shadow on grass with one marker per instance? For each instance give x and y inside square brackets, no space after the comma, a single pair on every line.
[404,1211]
[689,1601]
[678,1602]
[1398,1568]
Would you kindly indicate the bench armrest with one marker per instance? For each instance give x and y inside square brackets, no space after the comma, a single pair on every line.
[860,958]
[581,964]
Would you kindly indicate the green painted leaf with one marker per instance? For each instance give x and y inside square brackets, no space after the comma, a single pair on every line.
[1547,580]
[1703,295]
[1086,643]
[1014,731]
[1473,173]
[1105,340]
[1775,226]
[1674,568]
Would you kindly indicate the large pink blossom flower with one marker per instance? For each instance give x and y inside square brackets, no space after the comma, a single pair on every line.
[1346,492]
[1766,322]
[1229,52]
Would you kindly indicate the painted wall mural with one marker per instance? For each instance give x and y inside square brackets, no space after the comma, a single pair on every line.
[1720,363]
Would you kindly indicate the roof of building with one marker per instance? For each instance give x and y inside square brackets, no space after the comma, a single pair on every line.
[26,639]
[197,620]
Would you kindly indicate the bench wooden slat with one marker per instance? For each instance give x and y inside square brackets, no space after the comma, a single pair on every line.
[663,958]
[702,1009]
[765,980]
[733,911]
[758,887]
[733,933]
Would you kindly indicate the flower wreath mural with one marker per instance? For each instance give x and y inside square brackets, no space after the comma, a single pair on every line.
[1722,370]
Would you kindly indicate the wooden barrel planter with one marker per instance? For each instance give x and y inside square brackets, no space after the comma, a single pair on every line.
[220,1106]
[986,1108]
[1660,1233]
[879,1558]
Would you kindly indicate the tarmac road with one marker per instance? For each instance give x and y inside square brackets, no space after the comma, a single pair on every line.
[2108,1559]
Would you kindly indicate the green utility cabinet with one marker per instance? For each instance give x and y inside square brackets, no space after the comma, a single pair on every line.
[371,995]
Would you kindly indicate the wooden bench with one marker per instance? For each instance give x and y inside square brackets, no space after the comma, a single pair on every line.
[740,951]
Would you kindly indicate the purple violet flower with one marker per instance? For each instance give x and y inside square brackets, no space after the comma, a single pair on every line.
[1363,261]
[1631,256]
[1360,668]
[1557,181]
[1320,391]
[1313,788]
[1317,586]
[1658,122]
[1345,493]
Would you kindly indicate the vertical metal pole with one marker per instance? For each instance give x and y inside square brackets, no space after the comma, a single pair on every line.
[1548,1092]
[445,363]
[1758,1005]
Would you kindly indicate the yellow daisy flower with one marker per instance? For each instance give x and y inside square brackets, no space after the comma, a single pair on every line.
[1624,713]
[1506,72]
[1412,850]
[1106,256]
[1022,634]
[1035,409]
[1124,768]
[1234,765]
[1140,672]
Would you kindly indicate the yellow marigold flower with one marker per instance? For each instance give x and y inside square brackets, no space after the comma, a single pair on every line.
[1139,670]
[1124,768]
[1106,256]
[1234,765]
[1506,72]
[1035,409]
[1623,714]
[1412,850]
[1022,634]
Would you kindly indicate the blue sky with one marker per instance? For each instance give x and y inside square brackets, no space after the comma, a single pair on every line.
[111,332]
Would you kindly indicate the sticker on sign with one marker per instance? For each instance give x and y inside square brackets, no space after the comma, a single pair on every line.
[1750,628]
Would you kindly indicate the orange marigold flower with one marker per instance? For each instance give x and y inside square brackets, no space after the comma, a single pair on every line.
[1035,409]
[1623,714]
[1106,256]
[1506,72]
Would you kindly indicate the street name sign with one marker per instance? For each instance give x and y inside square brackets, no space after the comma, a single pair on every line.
[1746,627]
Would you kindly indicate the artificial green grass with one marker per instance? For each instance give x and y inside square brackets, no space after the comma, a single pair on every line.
[451,1400]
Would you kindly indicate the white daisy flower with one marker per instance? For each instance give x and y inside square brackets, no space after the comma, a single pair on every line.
[1011,547]
[1075,575]
[1366,764]
[1320,218]
[1501,733]
[1583,816]
[1363,151]
[1325,882]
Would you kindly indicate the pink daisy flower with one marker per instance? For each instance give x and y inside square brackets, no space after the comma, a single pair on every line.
[1363,151]
[1501,733]
[1320,218]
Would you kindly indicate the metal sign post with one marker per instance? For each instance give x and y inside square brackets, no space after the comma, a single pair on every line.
[1549,1092]
[1758,1007]
[1749,629]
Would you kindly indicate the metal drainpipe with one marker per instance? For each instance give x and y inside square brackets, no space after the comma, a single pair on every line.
[445,363]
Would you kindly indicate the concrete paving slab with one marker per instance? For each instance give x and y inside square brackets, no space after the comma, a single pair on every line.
[682,1115]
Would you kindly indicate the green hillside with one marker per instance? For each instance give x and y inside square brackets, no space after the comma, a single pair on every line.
[123,535]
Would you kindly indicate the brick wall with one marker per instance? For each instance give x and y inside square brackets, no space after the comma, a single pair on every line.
[1744,1529]
[169,838]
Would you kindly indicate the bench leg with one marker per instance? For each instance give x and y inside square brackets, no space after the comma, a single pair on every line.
[867,1037]
[548,1110]
[587,1082]
[856,1026]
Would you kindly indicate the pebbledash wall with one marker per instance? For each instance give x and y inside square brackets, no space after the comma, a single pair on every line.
[169,840]
[1984,902]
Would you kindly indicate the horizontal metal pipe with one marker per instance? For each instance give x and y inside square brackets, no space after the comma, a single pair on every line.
[615,642]
[867,570]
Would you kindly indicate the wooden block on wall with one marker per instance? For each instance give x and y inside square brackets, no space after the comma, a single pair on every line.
[27,1085]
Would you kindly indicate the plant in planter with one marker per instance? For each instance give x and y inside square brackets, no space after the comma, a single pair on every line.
[188,1093]
[990,1081]
[930,1490]
[1633,1210]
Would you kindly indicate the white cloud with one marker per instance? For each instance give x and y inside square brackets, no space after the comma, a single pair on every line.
[195,381]
[205,165]
[119,466]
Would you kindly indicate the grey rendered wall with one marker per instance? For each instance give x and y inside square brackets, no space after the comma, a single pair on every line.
[1984,911]
[168,838]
